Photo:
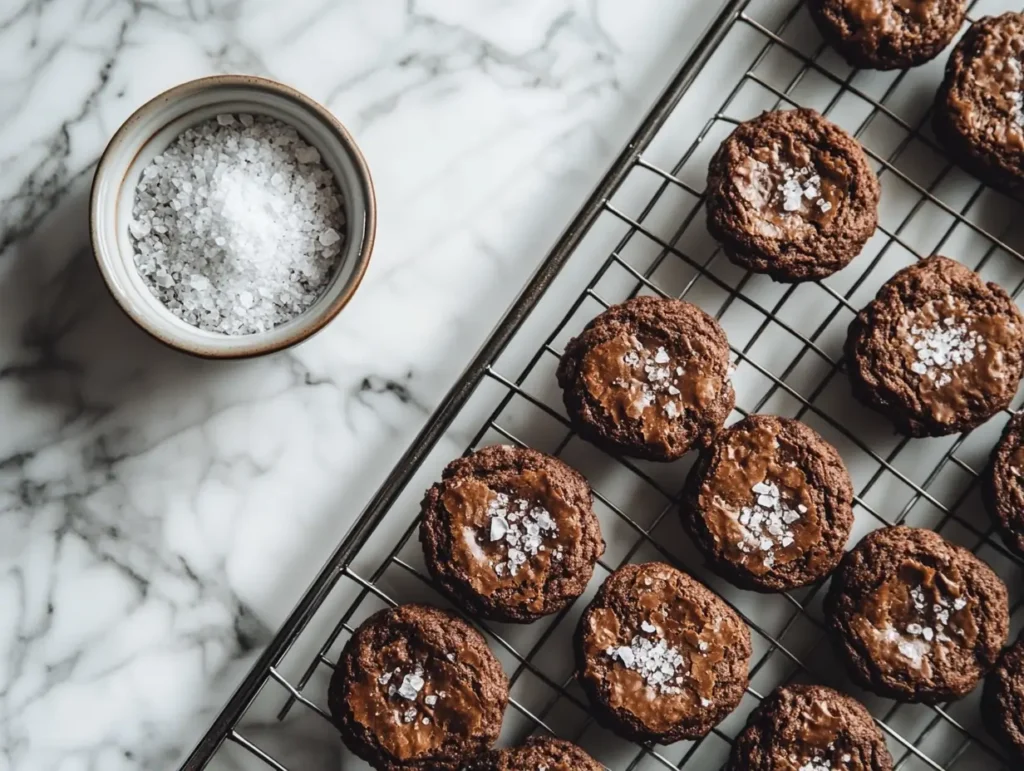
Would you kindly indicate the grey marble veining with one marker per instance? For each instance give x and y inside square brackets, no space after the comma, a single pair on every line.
[159,515]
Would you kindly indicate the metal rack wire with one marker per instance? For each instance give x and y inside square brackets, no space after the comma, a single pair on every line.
[660,248]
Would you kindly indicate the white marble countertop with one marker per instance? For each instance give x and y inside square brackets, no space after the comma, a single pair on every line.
[159,515]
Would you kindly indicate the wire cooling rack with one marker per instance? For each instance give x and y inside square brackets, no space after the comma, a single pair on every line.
[642,231]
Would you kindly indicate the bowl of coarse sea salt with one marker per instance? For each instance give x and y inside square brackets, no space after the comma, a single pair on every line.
[232,216]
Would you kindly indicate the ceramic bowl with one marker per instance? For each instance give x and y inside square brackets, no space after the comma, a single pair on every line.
[149,131]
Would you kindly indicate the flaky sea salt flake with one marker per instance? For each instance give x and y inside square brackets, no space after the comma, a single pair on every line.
[329,237]
[410,687]
[499,527]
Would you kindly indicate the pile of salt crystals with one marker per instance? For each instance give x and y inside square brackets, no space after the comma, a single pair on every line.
[238,225]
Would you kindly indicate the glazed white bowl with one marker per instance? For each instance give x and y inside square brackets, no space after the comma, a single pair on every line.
[149,131]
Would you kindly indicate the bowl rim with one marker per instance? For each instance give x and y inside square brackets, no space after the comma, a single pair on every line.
[312,324]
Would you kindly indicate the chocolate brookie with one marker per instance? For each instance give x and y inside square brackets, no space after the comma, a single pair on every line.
[979,108]
[809,728]
[938,351]
[1002,486]
[769,504]
[888,34]
[792,195]
[538,755]
[648,378]
[510,533]
[660,656]
[1002,703]
[916,618]
[417,688]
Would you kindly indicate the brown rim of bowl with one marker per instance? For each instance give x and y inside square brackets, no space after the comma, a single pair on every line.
[369,229]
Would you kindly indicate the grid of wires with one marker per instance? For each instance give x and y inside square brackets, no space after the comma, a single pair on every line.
[676,263]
